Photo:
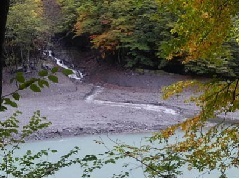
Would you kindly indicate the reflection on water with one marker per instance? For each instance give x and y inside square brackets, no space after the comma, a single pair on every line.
[89,146]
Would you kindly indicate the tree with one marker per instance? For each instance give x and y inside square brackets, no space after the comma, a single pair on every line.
[26,33]
[128,31]
[203,31]
[3,19]
[142,34]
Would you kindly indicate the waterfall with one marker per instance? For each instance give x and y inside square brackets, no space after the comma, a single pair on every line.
[77,74]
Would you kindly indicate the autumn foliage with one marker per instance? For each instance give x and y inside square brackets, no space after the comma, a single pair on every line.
[147,33]
[204,35]
[201,34]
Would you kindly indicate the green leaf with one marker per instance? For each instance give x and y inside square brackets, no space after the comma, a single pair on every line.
[54,70]
[43,73]
[22,86]
[89,158]
[29,152]
[16,96]
[27,83]
[3,108]
[10,102]
[20,78]
[35,88]
[53,78]
[43,83]
[67,72]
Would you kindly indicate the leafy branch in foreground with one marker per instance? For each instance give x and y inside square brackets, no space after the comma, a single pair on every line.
[13,134]
[31,164]
[201,33]
[34,84]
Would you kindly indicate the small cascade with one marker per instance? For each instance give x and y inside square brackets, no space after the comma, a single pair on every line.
[77,74]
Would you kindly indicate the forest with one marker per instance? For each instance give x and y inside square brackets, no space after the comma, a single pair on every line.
[131,33]
[195,37]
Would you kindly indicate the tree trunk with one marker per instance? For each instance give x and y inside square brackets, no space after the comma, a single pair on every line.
[4,6]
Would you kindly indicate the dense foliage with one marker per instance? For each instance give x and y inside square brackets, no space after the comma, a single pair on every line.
[26,34]
[207,34]
[139,33]
[129,30]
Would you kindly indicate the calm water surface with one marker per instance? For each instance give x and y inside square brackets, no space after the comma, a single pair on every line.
[88,145]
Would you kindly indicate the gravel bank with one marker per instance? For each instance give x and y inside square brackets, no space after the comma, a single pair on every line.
[123,103]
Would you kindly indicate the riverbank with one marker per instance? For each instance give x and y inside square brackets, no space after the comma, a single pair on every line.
[111,101]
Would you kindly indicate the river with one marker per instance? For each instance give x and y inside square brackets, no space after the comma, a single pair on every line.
[88,145]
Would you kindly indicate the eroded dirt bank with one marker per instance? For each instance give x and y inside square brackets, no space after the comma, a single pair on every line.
[114,101]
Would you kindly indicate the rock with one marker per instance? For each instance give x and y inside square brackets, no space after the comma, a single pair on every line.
[139,71]
[47,66]
[161,72]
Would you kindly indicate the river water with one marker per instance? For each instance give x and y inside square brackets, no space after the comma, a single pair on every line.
[88,145]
